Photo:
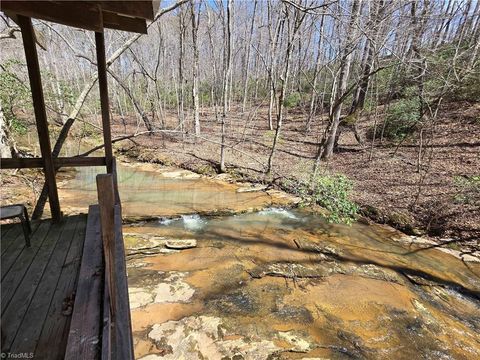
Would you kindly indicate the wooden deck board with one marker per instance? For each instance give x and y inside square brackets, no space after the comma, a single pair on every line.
[42,282]
[13,233]
[10,236]
[57,323]
[36,282]
[5,229]
[27,335]
[13,278]
[13,314]
[13,245]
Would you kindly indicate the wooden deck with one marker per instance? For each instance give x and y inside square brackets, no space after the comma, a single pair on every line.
[38,285]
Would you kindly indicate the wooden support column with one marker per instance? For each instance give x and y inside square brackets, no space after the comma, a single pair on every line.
[102,81]
[29,45]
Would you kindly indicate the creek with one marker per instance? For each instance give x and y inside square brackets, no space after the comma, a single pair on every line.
[219,271]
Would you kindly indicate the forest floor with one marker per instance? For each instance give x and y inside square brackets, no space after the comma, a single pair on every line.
[387,185]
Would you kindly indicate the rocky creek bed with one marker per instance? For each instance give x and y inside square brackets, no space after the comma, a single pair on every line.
[226,271]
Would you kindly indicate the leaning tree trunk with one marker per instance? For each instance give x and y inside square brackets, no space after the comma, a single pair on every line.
[361,93]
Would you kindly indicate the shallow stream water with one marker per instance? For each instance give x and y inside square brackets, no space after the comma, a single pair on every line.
[261,281]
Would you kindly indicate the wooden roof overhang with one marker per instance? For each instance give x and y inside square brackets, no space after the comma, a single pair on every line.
[89,15]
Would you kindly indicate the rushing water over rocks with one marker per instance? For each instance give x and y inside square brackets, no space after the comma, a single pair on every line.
[280,283]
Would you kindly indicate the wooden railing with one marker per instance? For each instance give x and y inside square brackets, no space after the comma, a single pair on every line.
[117,331]
[101,326]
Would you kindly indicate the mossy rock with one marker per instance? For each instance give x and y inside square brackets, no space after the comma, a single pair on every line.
[205,169]
[372,212]
[403,223]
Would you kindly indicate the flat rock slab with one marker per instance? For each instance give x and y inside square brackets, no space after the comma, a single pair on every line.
[181,244]
[251,188]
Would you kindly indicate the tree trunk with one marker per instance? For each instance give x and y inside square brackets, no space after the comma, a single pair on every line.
[227,60]
[7,145]
[247,58]
[292,31]
[343,80]
[181,78]
[313,95]
[196,111]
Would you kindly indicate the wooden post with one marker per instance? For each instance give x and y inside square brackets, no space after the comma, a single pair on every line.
[102,82]
[40,113]
[115,182]
[106,202]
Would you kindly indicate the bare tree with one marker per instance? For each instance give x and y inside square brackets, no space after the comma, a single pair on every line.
[248,47]
[345,63]
[195,21]
[227,61]
[292,27]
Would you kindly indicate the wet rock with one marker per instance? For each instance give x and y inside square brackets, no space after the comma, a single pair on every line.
[173,289]
[290,270]
[180,174]
[298,342]
[426,315]
[178,244]
[139,297]
[328,250]
[237,303]
[203,337]
[474,257]
[142,241]
[420,280]
[281,196]
[254,188]
[142,252]
[375,272]
[294,313]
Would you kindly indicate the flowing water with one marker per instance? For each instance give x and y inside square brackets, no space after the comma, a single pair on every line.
[149,192]
[270,282]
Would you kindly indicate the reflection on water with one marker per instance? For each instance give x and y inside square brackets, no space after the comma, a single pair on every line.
[155,194]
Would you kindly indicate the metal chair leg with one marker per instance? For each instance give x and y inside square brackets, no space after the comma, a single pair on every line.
[27,219]
[26,226]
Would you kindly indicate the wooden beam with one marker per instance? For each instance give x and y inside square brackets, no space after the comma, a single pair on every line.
[138,9]
[103,84]
[40,113]
[29,163]
[82,14]
[114,21]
